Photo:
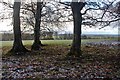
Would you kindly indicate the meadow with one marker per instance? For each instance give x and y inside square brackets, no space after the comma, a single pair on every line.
[7,45]
[51,42]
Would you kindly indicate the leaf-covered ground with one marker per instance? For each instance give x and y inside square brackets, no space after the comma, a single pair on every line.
[98,62]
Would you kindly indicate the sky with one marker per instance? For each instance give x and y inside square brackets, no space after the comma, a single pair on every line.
[108,30]
[69,29]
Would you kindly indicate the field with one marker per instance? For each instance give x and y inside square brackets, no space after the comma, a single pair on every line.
[98,62]
[7,45]
[61,42]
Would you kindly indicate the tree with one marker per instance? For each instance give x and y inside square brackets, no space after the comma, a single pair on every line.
[101,14]
[18,47]
[118,8]
[77,19]
[36,44]
[93,14]
[41,24]
[28,17]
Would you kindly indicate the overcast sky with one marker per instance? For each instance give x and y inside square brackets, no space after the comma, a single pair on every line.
[108,30]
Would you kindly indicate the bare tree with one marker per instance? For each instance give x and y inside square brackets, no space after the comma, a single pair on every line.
[36,44]
[77,18]
[18,47]
[89,14]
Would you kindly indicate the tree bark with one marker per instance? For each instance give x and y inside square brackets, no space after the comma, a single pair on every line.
[77,19]
[37,43]
[18,47]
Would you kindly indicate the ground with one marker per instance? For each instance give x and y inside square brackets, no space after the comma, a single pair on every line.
[99,61]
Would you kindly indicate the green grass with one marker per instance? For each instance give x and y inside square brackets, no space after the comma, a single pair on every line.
[7,45]
[50,42]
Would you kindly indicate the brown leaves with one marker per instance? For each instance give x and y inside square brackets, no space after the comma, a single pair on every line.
[96,62]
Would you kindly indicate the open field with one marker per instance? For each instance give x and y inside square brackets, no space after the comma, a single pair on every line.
[61,42]
[7,45]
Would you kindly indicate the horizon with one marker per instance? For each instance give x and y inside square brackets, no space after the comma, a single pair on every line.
[5,32]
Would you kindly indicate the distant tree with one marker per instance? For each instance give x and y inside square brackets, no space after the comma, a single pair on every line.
[18,47]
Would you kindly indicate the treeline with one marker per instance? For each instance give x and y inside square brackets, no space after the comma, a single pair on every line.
[52,36]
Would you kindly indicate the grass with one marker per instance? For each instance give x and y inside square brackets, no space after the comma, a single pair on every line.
[7,45]
[50,42]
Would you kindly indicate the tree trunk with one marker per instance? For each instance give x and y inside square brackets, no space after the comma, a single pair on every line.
[77,17]
[18,47]
[37,43]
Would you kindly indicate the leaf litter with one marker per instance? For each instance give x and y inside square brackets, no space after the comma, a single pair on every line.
[97,62]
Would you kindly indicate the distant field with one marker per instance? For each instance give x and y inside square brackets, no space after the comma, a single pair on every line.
[7,45]
[61,42]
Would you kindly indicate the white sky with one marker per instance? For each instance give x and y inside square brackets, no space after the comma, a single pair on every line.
[4,27]
[106,30]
